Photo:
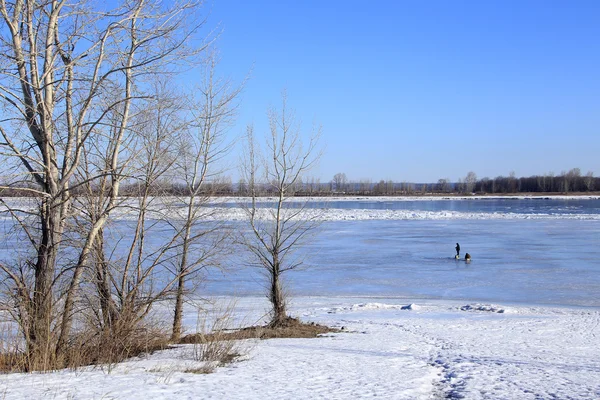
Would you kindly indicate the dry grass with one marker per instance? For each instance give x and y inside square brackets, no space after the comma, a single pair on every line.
[12,356]
[216,343]
[292,328]
[114,347]
[87,347]
[212,347]
[205,369]
[222,345]
[12,362]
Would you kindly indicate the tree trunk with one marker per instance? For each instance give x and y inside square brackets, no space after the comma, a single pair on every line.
[176,334]
[277,300]
[183,266]
[107,303]
[40,352]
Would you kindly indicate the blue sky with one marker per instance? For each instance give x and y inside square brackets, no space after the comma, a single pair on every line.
[422,90]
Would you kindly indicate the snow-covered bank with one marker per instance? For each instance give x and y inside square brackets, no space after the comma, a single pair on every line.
[431,350]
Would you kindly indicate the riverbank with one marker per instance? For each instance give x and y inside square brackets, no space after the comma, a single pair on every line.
[389,348]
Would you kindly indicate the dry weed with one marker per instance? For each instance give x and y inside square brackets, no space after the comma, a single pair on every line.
[213,343]
[12,354]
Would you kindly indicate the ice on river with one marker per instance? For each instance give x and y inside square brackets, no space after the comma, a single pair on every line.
[373,208]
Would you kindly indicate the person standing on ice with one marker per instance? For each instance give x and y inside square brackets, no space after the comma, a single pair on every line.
[457,250]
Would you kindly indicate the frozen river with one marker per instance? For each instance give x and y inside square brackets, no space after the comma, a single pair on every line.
[554,260]
[525,250]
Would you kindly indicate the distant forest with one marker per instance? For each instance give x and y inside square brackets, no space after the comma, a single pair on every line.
[567,182]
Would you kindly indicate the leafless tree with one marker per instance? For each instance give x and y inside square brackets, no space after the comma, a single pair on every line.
[513,182]
[275,233]
[122,275]
[316,185]
[589,181]
[571,179]
[131,271]
[203,147]
[443,185]
[365,186]
[470,181]
[340,181]
[313,186]
[60,60]
[565,182]
[383,188]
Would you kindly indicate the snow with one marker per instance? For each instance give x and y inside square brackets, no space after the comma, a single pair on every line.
[235,214]
[430,350]
[227,209]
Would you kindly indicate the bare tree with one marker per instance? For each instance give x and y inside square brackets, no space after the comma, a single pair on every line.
[470,181]
[314,185]
[589,181]
[513,182]
[203,147]
[571,179]
[380,188]
[443,185]
[340,181]
[461,187]
[275,233]
[111,292]
[365,186]
[131,271]
[60,60]
[565,182]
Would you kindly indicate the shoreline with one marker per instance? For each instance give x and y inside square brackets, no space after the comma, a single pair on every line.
[300,300]
[516,196]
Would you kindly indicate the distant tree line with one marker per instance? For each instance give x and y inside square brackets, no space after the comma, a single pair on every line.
[566,182]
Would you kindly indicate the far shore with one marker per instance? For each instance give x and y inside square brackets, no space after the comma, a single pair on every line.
[427,196]
[334,194]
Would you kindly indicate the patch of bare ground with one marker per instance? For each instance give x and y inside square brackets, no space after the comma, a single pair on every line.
[290,328]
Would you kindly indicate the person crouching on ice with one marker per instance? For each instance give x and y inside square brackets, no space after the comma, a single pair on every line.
[468,257]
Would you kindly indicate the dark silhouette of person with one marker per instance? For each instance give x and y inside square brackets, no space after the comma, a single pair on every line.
[467,257]
[457,250]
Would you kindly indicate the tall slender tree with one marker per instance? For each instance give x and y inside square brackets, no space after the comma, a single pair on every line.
[277,232]
[203,145]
